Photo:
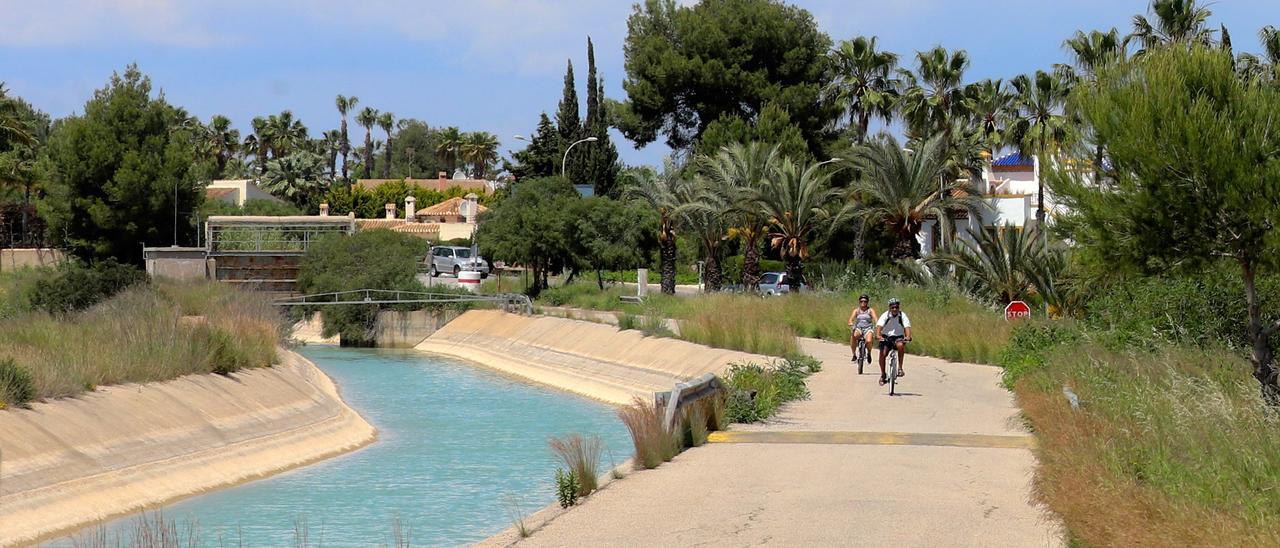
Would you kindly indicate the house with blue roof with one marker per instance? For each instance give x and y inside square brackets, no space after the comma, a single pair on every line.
[1010,185]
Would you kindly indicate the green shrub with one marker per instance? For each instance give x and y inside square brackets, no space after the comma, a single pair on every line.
[1204,310]
[567,488]
[73,286]
[16,386]
[756,391]
[1031,344]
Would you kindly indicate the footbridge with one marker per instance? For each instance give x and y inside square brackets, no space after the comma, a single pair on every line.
[510,302]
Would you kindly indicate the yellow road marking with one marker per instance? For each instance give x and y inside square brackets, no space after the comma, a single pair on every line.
[876,438]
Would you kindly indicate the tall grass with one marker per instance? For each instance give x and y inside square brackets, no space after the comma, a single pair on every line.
[581,455]
[141,335]
[654,442]
[945,323]
[1174,447]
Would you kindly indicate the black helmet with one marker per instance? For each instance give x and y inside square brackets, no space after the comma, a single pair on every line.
[864,297]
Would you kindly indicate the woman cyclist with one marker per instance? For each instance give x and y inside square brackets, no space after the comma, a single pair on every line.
[861,322]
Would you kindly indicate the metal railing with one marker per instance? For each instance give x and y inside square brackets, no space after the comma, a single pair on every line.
[511,302]
[686,393]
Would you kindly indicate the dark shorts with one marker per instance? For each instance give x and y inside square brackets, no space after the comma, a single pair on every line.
[890,342]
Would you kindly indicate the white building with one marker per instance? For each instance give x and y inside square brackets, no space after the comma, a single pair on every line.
[1010,187]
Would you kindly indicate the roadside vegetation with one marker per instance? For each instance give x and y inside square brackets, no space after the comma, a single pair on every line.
[144,332]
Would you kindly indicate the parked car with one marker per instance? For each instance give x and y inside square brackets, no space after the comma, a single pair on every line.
[774,283]
[454,260]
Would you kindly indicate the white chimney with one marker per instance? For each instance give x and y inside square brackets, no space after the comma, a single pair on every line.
[391,211]
[472,208]
[409,207]
[324,210]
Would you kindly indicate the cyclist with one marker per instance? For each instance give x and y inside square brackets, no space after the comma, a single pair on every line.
[861,321]
[894,331]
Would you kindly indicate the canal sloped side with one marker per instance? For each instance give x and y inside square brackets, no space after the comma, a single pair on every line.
[121,448]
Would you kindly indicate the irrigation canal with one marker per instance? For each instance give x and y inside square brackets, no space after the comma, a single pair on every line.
[459,448]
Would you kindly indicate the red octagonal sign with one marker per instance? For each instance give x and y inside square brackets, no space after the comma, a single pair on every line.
[1017,309]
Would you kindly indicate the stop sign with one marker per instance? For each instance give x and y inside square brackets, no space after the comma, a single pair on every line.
[1017,309]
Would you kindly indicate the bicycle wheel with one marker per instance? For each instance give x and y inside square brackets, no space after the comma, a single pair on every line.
[862,355]
[893,370]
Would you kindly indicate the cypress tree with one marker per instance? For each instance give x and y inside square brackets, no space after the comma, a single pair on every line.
[601,159]
[567,118]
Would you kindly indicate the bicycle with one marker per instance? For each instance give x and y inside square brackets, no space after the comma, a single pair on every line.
[892,367]
[863,356]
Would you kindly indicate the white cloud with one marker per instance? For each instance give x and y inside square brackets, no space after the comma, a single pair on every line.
[79,22]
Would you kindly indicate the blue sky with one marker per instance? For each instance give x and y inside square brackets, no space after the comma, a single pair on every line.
[479,64]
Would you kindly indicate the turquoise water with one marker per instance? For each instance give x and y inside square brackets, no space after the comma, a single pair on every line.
[458,446]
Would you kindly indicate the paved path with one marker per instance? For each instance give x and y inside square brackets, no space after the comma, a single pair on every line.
[946,463]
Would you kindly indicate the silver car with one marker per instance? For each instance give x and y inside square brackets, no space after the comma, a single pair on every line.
[775,283]
[454,260]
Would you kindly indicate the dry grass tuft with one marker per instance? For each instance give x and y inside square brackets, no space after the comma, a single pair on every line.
[654,442]
[581,456]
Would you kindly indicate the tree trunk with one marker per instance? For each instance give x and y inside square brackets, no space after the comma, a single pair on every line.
[535,288]
[859,241]
[711,278]
[26,207]
[600,279]
[751,266]
[905,248]
[386,159]
[667,257]
[1097,166]
[795,272]
[573,273]
[368,156]
[345,146]
[1262,357]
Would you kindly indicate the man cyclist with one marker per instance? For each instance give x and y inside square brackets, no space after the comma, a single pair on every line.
[894,332]
[861,321]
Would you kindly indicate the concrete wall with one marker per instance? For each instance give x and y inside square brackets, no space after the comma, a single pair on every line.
[13,259]
[406,329]
[592,359]
[450,231]
[74,461]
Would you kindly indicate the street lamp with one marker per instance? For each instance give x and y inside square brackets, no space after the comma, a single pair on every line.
[566,151]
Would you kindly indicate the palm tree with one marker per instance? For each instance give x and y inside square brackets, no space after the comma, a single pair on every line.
[997,262]
[736,174]
[480,149]
[901,188]
[386,121]
[793,201]
[1091,53]
[12,127]
[864,86]
[286,134]
[259,142]
[296,177]
[1176,22]
[449,147]
[367,118]
[345,105]
[933,98]
[990,103]
[1040,125]
[222,141]
[332,146]
[659,191]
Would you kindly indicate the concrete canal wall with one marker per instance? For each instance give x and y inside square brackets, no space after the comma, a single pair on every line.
[592,359]
[71,462]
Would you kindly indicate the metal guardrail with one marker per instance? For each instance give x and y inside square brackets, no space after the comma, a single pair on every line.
[686,393]
[509,301]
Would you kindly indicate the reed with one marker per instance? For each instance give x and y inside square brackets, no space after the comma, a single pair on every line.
[654,442]
[581,455]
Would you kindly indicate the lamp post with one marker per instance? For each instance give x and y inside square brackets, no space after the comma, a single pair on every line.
[564,160]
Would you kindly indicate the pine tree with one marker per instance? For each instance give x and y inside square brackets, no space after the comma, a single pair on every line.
[541,158]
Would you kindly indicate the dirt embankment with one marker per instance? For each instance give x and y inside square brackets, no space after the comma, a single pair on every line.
[72,462]
[592,359]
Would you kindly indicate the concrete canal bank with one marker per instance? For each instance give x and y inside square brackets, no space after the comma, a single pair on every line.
[592,359]
[74,461]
